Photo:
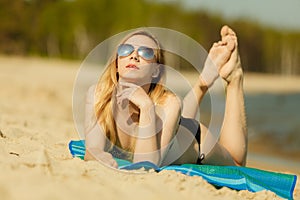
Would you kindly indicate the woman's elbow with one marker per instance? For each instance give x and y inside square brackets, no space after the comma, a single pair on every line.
[88,156]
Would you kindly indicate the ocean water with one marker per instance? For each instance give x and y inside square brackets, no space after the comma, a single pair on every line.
[272,116]
[276,116]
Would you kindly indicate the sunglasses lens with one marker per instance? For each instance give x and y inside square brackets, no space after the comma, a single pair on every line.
[146,53]
[125,50]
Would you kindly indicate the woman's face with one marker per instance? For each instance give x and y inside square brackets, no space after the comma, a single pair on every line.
[137,60]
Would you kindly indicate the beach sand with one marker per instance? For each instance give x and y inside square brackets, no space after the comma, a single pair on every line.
[36,125]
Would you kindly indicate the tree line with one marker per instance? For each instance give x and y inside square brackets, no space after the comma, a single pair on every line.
[72,28]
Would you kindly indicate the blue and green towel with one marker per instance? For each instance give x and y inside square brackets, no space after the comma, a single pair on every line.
[238,178]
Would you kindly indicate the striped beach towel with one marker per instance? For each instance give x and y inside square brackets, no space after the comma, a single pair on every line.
[238,178]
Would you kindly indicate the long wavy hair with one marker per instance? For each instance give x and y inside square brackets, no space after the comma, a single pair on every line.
[109,80]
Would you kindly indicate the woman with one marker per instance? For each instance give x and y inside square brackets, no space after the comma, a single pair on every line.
[138,119]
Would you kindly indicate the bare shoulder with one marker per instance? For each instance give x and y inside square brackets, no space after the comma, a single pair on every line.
[91,89]
[172,100]
[171,104]
[90,94]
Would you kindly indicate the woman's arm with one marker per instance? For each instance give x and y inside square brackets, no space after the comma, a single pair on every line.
[94,136]
[170,113]
[157,143]
[146,146]
[95,142]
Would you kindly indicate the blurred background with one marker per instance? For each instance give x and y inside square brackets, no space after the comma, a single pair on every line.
[269,43]
[269,31]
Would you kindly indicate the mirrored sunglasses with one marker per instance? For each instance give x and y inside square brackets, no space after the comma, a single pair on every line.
[146,53]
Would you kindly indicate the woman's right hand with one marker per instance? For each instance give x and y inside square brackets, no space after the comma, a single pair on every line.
[133,93]
[107,159]
[104,157]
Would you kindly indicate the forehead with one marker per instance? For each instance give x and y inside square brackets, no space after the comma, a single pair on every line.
[141,40]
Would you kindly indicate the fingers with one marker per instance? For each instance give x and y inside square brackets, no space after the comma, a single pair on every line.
[127,84]
[111,163]
[126,91]
[114,163]
[125,87]
[125,94]
[132,92]
[108,159]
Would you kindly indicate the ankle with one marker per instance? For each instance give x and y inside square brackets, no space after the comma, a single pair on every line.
[236,78]
[202,85]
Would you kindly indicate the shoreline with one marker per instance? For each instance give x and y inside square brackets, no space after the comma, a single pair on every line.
[273,163]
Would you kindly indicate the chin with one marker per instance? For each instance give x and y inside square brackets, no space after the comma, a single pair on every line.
[137,80]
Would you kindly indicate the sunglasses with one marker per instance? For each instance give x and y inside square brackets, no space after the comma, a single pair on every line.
[146,53]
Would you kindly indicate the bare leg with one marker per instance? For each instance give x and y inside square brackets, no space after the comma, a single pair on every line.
[218,55]
[234,131]
[232,147]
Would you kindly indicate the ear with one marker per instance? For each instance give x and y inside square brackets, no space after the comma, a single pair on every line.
[155,73]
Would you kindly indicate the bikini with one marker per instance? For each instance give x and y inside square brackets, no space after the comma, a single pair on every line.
[193,126]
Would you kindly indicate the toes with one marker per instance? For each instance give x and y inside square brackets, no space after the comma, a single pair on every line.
[231,32]
[219,43]
[224,31]
[234,40]
[222,43]
[231,44]
[230,41]
[227,31]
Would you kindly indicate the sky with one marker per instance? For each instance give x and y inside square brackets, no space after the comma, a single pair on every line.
[279,14]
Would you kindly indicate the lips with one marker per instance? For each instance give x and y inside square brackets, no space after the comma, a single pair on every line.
[132,66]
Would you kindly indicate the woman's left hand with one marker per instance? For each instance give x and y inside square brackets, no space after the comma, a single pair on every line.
[133,93]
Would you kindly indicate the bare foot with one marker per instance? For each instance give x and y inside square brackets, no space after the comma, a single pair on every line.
[220,52]
[232,69]
[218,55]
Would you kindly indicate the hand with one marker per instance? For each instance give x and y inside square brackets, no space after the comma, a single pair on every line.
[133,93]
[101,156]
[108,159]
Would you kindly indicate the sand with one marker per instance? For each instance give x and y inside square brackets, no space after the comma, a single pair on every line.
[36,124]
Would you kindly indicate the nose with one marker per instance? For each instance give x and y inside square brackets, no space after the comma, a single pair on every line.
[135,56]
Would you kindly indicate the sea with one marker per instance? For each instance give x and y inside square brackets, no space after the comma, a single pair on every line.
[273,123]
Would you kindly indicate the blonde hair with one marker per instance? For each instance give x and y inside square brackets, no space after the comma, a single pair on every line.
[109,80]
